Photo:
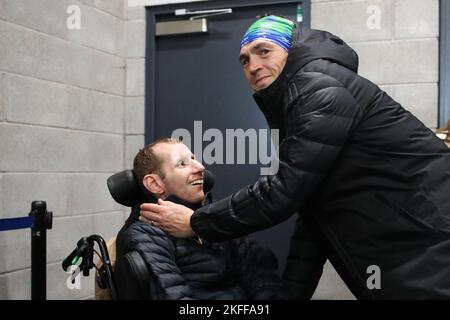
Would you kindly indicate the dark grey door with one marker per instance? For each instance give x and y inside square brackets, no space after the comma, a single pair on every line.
[198,78]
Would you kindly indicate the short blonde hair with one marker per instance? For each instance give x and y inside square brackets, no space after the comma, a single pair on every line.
[146,161]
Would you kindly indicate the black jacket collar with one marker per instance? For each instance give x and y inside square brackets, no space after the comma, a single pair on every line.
[135,212]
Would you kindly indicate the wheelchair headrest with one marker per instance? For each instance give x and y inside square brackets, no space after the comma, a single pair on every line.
[125,189]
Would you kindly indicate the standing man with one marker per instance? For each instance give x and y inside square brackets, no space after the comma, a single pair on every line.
[370,183]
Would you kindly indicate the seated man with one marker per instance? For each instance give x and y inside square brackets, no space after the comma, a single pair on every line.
[192,268]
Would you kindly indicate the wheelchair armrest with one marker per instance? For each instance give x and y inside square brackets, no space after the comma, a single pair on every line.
[132,277]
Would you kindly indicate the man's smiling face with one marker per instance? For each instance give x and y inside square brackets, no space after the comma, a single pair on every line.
[183,174]
[262,62]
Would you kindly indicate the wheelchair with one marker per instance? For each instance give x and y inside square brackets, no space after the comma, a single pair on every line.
[130,278]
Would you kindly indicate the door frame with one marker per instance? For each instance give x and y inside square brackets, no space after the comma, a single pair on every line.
[150,53]
[444,63]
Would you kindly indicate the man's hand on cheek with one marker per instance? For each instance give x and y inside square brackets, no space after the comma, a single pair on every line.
[171,217]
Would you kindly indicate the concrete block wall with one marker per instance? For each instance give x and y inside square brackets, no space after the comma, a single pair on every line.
[135,83]
[397,43]
[68,116]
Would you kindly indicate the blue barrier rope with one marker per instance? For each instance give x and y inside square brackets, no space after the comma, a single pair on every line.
[16,223]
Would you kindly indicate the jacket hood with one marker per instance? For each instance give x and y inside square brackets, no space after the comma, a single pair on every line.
[307,45]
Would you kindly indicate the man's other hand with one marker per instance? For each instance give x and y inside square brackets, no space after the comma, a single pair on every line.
[171,217]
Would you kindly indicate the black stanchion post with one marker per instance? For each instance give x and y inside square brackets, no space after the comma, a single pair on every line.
[42,220]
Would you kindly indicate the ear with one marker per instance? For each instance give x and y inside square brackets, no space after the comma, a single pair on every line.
[153,183]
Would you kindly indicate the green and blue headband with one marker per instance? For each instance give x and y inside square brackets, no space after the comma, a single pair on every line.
[271,28]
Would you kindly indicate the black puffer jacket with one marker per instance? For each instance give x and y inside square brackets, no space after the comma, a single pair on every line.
[370,182]
[186,269]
